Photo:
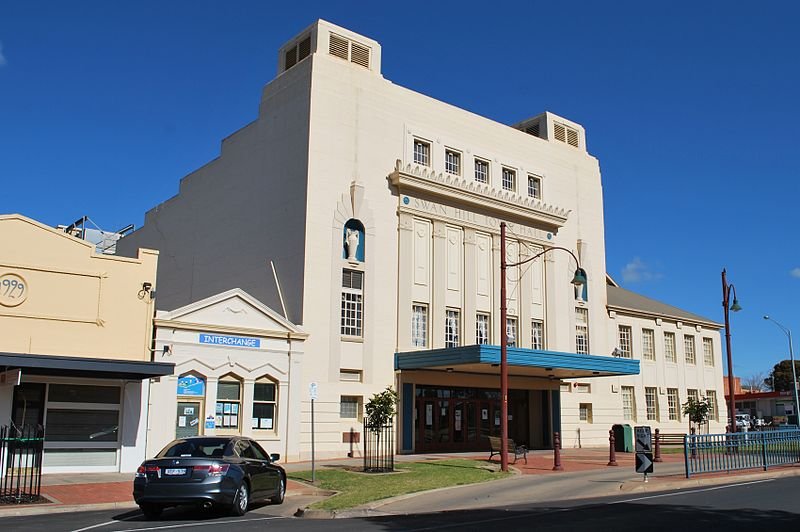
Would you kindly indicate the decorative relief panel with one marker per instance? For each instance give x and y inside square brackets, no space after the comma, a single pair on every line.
[455,258]
[422,252]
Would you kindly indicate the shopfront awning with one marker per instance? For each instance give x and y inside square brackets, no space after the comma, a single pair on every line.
[485,359]
[102,368]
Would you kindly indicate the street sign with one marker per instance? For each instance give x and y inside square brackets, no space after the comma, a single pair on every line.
[312,391]
[643,439]
[644,463]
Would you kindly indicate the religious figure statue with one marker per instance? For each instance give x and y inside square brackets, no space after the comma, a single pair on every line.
[352,243]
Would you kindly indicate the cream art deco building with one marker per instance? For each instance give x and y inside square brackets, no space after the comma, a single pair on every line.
[380,210]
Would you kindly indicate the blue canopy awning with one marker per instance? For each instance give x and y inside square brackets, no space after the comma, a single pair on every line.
[525,362]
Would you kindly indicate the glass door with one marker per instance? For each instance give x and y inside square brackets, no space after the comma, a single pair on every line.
[188,420]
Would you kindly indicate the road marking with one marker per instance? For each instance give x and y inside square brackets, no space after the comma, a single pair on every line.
[204,523]
[684,492]
[95,526]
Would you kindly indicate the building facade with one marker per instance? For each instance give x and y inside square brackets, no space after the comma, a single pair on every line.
[237,366]
[76,333]
[371,214]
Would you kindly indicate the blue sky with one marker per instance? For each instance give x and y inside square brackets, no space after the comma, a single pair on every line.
[691,108]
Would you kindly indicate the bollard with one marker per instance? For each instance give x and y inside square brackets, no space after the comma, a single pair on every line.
[557,452]
[612,453]
[693,445]
[657,457]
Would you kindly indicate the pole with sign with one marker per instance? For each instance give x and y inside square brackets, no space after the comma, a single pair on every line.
[644,450]
[312,392]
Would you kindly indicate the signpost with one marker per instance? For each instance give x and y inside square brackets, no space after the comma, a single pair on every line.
[312,393]
[644,450]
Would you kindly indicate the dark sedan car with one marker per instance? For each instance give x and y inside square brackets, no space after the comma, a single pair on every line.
[216,470]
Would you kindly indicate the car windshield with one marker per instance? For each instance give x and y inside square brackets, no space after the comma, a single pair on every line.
[197,448]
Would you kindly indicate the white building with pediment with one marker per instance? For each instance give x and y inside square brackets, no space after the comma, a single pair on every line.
[380,209]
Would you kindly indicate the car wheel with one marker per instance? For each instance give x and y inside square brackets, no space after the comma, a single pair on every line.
[278,497]
[241,500]
[151,511]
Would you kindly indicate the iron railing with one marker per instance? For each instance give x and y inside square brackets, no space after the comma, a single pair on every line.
[378,447]
[712,453]
[21,451]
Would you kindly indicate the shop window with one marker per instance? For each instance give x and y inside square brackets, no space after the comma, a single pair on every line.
[229,402]
[265,400]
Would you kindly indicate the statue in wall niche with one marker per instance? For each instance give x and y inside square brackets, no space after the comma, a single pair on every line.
[352,243]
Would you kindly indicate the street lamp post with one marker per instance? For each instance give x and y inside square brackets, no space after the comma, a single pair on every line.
[788,334]
[726,294]
[578,280]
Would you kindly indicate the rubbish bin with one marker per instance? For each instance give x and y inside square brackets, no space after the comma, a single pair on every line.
[623,438]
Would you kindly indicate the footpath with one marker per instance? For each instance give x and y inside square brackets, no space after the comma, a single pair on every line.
[585,474]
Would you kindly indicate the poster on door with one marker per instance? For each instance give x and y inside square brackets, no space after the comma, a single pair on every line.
[429,414]
[458,420]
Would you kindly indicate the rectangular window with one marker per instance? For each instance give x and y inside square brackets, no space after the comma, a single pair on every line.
[452,328]
[509,179]
[648,344]
[422,152]
[349,407]
[511,331]
[229,402]
[350,375]
[708,351]
[264,401]
[419,325]
[482,328]
[582,387]
[535,186]
[669,347]
[585,412]
[651,399]
[481,171]
[673,404]
[692,394]
[582,331]
[537,334]
[625,343]
[688,346]
[352,303]
[628,403]
[452,162]
[713,413]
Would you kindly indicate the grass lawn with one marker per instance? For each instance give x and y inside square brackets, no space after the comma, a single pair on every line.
[356,488]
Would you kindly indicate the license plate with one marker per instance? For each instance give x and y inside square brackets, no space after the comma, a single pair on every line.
[175,471]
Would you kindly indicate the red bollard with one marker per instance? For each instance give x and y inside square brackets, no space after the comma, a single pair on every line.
[657,457]
[557,452]
[612,453]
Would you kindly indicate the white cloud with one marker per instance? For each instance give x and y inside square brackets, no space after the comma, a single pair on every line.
[795,273]
[637,271]
[2,57]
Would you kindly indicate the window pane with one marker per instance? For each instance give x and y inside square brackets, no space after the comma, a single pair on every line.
[74,393]
[82,425]
[264,391]
[263,416]
[228,390]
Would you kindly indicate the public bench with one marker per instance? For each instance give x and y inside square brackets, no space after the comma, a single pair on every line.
[519,451]
[670,439]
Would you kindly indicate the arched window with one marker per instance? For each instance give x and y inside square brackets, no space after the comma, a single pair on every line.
[265,404]
[229,402]
[353,241]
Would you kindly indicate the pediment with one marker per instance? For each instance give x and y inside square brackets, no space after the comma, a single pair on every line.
[234,309]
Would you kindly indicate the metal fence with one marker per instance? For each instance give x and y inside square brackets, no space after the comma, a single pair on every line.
[378,447]
[712,453]
[21,451]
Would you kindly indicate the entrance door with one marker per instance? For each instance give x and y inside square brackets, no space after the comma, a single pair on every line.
[188,423]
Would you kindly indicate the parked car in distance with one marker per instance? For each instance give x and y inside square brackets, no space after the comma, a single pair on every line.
[228,471]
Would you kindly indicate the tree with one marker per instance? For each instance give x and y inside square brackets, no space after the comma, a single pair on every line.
[780,378]
[381,408]
[755,382]
[697,411]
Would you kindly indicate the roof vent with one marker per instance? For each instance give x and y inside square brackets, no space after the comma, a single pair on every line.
[349,50]
[566,134]
[297,53]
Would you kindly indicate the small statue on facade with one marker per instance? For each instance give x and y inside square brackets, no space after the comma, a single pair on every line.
[351,242]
